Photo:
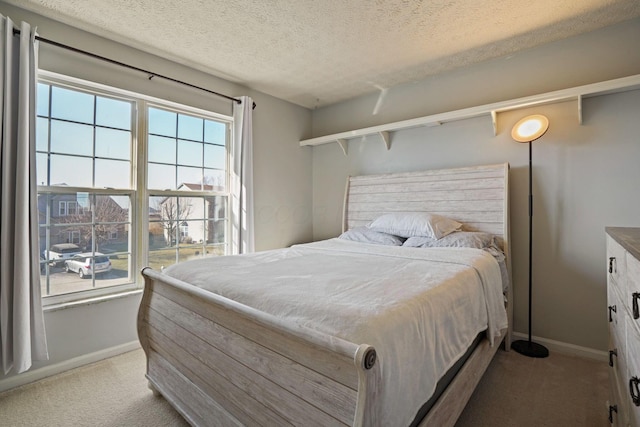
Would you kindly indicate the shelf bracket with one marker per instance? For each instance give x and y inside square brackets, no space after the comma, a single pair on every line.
[385,138]
[344,144]
[494,121]
[580,109]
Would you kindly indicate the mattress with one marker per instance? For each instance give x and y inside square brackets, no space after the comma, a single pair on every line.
[421,308]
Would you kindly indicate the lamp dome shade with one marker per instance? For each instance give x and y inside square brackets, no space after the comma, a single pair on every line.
[530,128]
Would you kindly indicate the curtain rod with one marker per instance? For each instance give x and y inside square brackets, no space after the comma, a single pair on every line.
[131,67]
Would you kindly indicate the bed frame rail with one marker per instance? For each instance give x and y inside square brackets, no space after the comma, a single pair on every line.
[222,363]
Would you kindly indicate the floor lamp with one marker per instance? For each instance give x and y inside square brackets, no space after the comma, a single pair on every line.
[528,130]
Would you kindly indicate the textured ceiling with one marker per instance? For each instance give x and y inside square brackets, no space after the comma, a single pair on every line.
[318,52]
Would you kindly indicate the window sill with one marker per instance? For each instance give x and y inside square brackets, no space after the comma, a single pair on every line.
[91,300]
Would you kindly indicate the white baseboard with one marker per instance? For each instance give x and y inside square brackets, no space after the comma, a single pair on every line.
[47,371]
[565,348]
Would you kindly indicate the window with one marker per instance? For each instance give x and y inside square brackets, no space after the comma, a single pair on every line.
[74,237]
[72,208]
[151,198]
[68,208]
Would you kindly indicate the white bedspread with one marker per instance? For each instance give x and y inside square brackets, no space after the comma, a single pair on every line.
[420,308]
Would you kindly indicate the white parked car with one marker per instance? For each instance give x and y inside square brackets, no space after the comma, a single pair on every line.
[60,252]
[88,264]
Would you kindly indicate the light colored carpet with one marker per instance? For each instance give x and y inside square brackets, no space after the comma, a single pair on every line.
[516,391]
[559,390]
[109,393]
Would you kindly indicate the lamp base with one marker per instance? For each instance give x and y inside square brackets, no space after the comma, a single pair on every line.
[530,349]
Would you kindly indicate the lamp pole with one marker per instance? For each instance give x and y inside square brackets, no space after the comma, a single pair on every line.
[530,237]
[528,130]
[530,348]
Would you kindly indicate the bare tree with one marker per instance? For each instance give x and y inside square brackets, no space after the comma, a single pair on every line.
[173,211]
[101,219]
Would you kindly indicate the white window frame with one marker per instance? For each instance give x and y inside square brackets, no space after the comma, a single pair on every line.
[74,236]
[139,195]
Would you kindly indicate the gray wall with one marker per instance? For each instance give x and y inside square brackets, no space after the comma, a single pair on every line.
[282,169]
[585,177]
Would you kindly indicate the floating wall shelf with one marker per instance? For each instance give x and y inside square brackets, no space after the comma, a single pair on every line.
[489,110]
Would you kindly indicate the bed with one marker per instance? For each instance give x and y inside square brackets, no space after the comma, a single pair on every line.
[239,350]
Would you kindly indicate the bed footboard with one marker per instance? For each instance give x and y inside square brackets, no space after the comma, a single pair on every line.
[221,363]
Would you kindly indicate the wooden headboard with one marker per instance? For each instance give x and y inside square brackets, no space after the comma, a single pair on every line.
[475,196]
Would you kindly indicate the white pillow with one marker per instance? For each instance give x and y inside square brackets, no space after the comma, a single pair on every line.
[459,239]
[415,224]
[366,235]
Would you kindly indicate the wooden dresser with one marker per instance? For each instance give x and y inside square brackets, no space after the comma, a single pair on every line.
[623,300]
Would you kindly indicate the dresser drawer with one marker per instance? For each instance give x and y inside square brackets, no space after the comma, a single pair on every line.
[632,296]
[617,324]
[618,412]
[618,371]
[616,265]
[632,380]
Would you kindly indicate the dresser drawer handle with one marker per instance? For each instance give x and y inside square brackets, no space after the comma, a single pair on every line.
[612,409]
[636,311]
[611,261]
[634,390]
[612,309]
[612,353]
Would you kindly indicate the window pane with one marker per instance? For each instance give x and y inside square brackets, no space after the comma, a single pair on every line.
[113,113]
[181,208]
[216,214]
[190,251]
[161,177]
[111,216]
[215,178]
[189,153]
[42,108]
[71,138]
[192,232]
[42,134]
[196,231]
[42,169]
[159,258]
[112,174]
[216,207]
[66,224]
[71,170]
[215,156]
[215,132]
[192,208]
[216,231]
[216,250]
[115,144]
[162,150]
[162,122]
[71,105]
[189,176]
[190,127]
[119,274]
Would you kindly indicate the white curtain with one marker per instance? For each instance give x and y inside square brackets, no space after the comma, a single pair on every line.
[242,240]
[22,334]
